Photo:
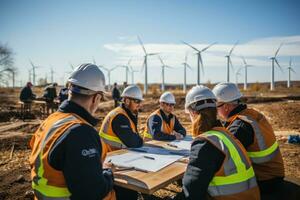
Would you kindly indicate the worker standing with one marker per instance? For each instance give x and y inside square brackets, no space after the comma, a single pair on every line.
[162,124]
[256,134]
[116,95]
[119,127]
[218,163]
[66,150]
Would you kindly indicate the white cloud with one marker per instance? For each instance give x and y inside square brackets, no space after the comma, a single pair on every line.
[256,52]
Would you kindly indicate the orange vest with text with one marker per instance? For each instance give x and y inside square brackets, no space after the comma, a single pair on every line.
[48,182]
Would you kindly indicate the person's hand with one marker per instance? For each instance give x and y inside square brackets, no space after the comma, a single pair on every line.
[178,136]
[109,165]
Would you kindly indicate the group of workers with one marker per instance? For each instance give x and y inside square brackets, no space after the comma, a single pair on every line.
[236,157]
[49,96]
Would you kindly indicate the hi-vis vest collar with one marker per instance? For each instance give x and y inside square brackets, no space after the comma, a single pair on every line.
[236,174]
[263,152]
[40,183]
[165,127]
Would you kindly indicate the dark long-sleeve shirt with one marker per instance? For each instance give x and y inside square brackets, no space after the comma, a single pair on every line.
[115,93]
[121,127]
[83,172]
[155,124]
[205,160]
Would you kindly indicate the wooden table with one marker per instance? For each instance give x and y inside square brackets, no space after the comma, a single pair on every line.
[149,182]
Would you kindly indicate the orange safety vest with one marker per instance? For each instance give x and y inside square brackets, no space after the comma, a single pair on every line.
[165,127]
[235,179]
[47,182]
[264,152]
[107,134]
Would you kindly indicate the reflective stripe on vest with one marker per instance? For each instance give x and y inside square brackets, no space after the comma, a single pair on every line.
[265,154]
[238,172]
[112,140]
[39,182]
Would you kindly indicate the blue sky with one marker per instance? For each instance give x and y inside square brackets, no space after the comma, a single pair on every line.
[58,32]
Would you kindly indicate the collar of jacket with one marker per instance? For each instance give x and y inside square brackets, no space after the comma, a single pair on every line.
[132,116]
[237,110]
[164,116]
[72,107]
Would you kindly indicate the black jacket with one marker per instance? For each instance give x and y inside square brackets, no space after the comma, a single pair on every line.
[115,93]
[205,160]
[84,175]
[156,123]
[121,127]
[26,94]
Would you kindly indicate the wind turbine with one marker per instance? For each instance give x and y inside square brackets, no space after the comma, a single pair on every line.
[185,65]
[274,60]
[33,71]
[126,69]
[289,77]
[163,73]
[237,74]
[199,59]
[145,64]
[229,61]
[108,73]
[246,73]
[132,74]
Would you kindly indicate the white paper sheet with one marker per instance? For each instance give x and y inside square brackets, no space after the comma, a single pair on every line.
[144,161]
[183,144]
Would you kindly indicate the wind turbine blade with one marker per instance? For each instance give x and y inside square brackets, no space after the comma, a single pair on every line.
[290,62]
[143,66]
[293,70]
[152,54]
[233,48]
[231,65]
[162,62]
[244,61]
[189,66]
[190,46]
[201,61]
[204,49]
[129,61]
[167,66]
[94,61]
[278,49]
[278,64]
[185,59]
[141,43]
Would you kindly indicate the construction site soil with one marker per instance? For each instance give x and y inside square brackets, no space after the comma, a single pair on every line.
[282,111]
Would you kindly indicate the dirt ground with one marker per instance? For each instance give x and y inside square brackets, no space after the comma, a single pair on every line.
[283,113]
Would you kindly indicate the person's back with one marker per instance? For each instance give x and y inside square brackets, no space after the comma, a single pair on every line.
[218,164]
[66,149]
[50,93]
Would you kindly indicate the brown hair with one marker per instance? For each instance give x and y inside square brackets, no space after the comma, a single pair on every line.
[205,121]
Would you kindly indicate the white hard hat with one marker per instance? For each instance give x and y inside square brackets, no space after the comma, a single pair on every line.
[167,97]
[133,91]
[87,76]
[200,93]
[226,92]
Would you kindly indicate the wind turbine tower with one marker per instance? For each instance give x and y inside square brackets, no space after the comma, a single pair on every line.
[163,73]
[145,64]
[185,65]
[289,75]
[199,59]
[229,61]
[274,60]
